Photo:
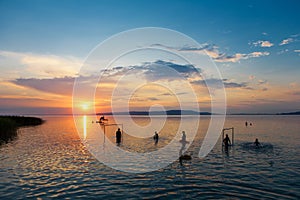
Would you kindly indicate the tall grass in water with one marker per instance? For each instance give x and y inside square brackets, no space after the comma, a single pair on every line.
[8,129]
[10,124]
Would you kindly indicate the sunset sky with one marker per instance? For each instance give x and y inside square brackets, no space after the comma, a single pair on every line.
[255,45]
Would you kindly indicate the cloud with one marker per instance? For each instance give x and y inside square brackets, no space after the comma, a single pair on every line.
[237,57]
[157,70]
[30,65]
[217,83]
[214,53]
[293,84]
[235,85]
[282,51]
[257,54]
[262,82]
[153,99]
[251,77]
[296,93]
[166,94]
[262,43]
[150,71]
[63,86]
[286,41]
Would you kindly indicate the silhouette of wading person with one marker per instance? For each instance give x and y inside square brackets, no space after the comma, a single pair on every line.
[155,137]
[118,136]
[226,141]
[183,143]
[256,143]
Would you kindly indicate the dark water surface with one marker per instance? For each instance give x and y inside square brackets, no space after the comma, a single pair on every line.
[49,161]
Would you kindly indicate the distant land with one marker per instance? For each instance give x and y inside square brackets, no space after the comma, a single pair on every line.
[290,113]
[189,112]
[168,112]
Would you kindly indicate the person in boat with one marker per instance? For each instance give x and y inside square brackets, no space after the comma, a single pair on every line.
[256,143]
[226,141]
[102,119]
[118,136]
[155,137]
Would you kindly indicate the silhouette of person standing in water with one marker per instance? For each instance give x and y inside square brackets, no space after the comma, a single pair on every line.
[118,136]
[155,137]
[256,143]
[183,143]
[246,123]
[226,141]
[183,138]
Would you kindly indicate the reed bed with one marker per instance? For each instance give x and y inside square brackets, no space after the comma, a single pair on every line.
[10,124]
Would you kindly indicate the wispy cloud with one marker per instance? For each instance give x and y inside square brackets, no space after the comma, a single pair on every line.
[263,43]
[293,84]
[286,41]
[150,71]
[296,93]
[261,82]
[218,83]
[214,52]
[251,77]
[237,57]
[30,65]
[63,86]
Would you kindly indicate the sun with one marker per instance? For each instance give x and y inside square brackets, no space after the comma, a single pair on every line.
[85,106]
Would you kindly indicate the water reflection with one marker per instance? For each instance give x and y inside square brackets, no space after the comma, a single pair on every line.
[84,127]
[50,161]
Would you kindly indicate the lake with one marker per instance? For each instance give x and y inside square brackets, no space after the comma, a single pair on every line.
[51,161]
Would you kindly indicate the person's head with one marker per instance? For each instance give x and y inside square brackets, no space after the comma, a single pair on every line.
[256,140]
[118,129]
[183,132]
[226,135]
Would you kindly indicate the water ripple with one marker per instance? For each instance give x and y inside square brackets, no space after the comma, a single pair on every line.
[49,161]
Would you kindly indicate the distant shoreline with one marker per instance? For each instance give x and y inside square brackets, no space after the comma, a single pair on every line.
[168,112]
[188,112]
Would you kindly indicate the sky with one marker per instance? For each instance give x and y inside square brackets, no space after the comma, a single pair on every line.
[254,44]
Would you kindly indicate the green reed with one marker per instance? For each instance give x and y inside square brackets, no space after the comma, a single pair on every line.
[10,124]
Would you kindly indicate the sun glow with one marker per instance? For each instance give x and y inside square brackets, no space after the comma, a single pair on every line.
[85,106]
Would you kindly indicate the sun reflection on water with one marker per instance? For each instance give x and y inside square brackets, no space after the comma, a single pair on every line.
[84,127]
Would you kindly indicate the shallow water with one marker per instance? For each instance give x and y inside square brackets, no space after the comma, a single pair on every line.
[50,161]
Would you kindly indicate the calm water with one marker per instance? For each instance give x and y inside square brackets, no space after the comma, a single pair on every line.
[49,161]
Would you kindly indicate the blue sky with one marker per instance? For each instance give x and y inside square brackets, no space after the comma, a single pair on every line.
[66,31]
[59,27]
